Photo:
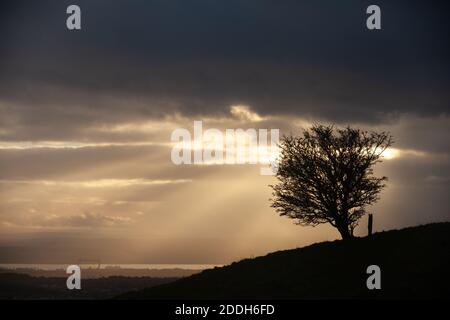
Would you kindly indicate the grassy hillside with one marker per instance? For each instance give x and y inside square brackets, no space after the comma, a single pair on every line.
[414,262]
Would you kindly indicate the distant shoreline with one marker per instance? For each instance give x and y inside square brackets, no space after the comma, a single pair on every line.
[91,271]
[54,266]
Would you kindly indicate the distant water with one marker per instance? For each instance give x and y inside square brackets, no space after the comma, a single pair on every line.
[108,266]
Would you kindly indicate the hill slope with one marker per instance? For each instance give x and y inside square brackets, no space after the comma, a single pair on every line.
[414,262]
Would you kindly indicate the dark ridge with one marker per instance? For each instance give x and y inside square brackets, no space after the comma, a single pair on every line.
[414,263]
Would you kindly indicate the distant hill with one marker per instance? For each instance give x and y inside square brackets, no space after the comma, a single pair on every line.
[414,262]
[93,273]
[23,286]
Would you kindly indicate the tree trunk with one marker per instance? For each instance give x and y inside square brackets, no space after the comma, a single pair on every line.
[345,232]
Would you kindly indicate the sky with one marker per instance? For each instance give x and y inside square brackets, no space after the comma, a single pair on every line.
[86,119]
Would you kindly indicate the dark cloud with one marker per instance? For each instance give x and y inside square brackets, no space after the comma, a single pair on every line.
[199,57]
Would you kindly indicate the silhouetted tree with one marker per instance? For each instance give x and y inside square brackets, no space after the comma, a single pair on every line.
[326,176]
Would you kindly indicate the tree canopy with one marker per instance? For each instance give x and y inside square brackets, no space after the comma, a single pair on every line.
[326,176]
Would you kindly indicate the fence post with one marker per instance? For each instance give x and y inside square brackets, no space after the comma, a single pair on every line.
[370,224]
